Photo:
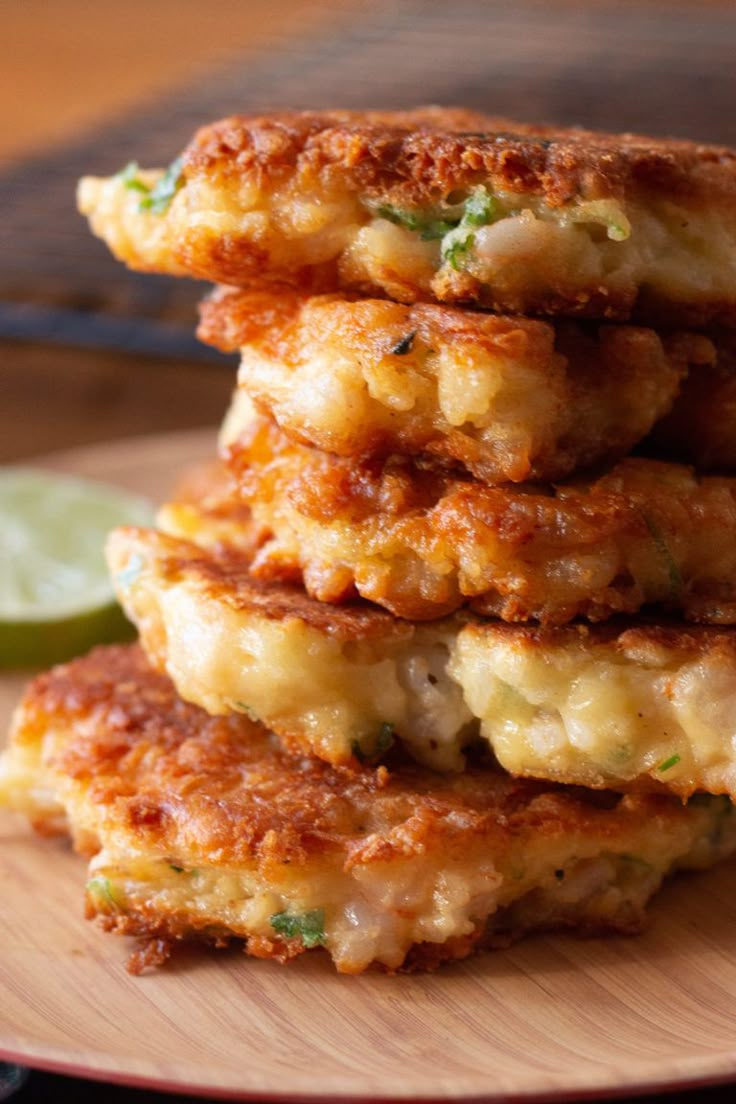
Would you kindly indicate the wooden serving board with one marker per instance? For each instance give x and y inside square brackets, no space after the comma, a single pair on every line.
[550,1018]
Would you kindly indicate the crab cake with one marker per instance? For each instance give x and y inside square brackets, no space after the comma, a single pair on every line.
[422,542]
[625,705]
[197,827]
[701,427]
[442,204]
[507,398]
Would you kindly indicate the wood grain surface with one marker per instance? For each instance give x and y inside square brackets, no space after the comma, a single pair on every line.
[550,1017]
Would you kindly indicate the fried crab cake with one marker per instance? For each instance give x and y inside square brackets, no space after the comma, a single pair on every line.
[442,204]
[622,705]
[701,427]
[507,398]
[422,542]
[199,828]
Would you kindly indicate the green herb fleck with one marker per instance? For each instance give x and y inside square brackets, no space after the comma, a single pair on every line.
[669,763]
[161,194]
[247,709]
[617,233]
[635,860]
[428,227]
[403,345]
[178,869]
[620,754]
[101,888]
[480,209]
[673,571]
[456,245]
[130,572]
[130,178]
[384,740]
[358,752]
[309,926]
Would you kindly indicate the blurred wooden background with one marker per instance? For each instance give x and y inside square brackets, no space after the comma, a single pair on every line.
[91,351]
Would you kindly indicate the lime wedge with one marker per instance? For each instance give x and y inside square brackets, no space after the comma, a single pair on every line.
[56,600]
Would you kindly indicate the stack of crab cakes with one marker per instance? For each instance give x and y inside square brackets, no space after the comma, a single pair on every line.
[439,650]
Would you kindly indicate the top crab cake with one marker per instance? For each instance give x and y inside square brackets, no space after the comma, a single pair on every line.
[441,204]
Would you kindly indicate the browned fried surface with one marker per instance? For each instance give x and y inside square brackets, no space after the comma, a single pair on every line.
[421,542]
[600,706]
[411,158]
[226,576]
[701,428]
[644,637]
[168,768]
[201,819]
[173,777]
[589,224]
[508,398]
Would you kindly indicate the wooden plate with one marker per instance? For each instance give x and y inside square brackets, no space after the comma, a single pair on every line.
[551,1017]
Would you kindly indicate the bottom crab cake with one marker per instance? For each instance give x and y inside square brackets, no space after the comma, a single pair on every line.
[624,705]
[200,827]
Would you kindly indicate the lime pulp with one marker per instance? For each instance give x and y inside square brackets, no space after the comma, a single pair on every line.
[56,599]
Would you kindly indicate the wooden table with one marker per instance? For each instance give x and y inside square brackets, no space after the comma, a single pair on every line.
[91,352]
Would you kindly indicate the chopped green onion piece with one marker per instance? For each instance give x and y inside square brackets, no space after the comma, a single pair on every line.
[130,178]
[358,752]
[161,194]
[101,887]
[669,763]
[309,926]
[384,741]
[480,210]
[673,570]
[130,572]
[617,233]
[247,709]
[385,738]
[456,244]
[635,860]
[428,228]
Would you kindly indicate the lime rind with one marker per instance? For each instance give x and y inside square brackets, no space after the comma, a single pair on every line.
[41,644]
[56,598]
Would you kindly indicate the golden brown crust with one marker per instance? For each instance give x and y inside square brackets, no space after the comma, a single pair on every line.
[200,819]
[167,768]
[574,224]
[416,157]
[161,936]
[506,397]
[701,427]
[421,542]
[174,776]
[223,574]
[645,636]
[435,689]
